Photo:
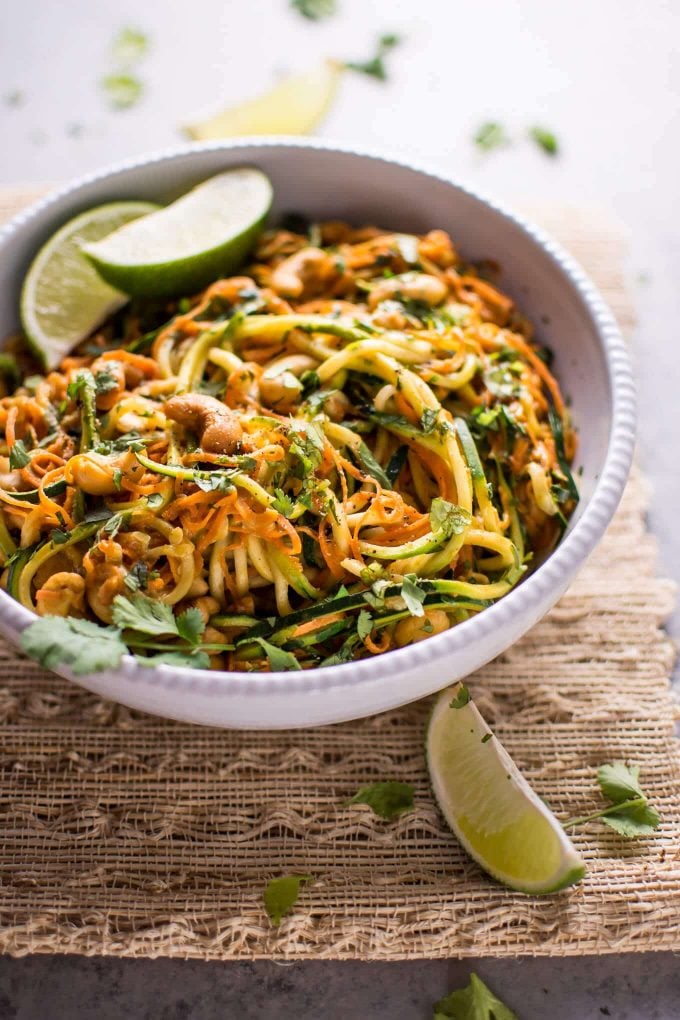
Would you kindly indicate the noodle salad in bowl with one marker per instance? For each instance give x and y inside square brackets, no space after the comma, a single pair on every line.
[346,445]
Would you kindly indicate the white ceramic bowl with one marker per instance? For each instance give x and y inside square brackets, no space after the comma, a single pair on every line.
[325,181]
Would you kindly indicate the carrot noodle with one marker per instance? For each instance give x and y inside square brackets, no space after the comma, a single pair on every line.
[295,442]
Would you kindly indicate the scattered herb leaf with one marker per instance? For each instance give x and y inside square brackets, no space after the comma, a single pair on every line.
[364,624]
[122,90]
[144,615]
[448,517]
[546,139]
[387,799]
[281,894]
[190,625]
[629,814]
[375,67]
[490,135]
[129,46]
[461,698]
[474,1002]
[191,660]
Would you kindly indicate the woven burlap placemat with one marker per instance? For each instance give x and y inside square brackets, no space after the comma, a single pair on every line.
[124,834]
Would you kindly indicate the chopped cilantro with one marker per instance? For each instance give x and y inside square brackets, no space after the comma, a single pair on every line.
[279,659]
[630,813]
[18,455]
[474,1002]
[375,67]
[122,90]
[364,624]
[461,698]
[490,135]
[545,139]
[413,595]
[387,799]
[315,10]
[129,46]
[281,894]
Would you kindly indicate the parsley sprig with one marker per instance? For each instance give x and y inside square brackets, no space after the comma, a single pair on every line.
[629,813]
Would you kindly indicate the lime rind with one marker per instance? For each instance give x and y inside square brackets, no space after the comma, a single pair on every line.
[205,234]
[63,299]
[490,807]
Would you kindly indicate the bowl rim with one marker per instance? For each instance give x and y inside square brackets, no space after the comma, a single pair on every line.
[523,601]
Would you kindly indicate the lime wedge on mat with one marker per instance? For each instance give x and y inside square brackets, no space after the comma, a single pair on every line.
[63,299]
[489,805]
[179,249]
[293,107]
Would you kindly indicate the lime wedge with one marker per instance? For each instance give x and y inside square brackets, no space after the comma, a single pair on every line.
[63,299]
[180,249]
[490,806]
[293,107]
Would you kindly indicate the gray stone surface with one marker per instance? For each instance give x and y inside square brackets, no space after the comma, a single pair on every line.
[606,77]
[632,987]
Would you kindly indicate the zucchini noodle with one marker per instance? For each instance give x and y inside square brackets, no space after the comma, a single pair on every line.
[354,445]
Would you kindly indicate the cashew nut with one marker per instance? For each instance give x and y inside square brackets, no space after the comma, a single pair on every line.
[62,594]
[216,425]
[411,286]
[96,473]
[306,272]
[417,628]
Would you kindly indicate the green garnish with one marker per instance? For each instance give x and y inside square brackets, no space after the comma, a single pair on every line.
[413,595]
[375,67]
[364,623]
[122,90]
[279,659]
[474,1002]
[461,697]
[630,813]
[149,616]
[83,646]
[490,135]
[129,46]
[105,382]
[315,10]
[18,455]
[545,139]
[281,894]
[387,799]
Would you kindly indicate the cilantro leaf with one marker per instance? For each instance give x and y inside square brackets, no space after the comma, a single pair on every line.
[315,10]
[129,46]
[474,1002]
[375,67]
[191,660]
[545,139]
[122,90]
[283,503]
[461,698]
[190,625]
[281,894]
[279,659]
[413,595]
[490,135]
[18,455]
[145,615]
[387,799]
[83,646]
[448,517]
[138,576]
[619,782]
[371,466]
[635,818]
[307,444]
[364,624]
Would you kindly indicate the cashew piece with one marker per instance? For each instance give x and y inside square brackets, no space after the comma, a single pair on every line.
[217,426]
[307,271]
[411,286]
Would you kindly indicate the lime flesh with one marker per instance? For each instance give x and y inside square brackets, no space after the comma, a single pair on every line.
[293,107]
[63,298]
[491,808]
[206,234]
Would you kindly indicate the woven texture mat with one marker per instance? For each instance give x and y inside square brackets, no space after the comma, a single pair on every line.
[124,834]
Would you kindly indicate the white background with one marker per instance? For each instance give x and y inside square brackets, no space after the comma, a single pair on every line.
[603,75]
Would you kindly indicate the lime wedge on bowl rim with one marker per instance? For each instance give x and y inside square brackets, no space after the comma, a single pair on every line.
[489,805]
[293,107]
[205,234]
[63,299]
